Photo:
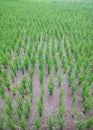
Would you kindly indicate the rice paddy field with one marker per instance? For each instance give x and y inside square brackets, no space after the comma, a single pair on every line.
[46,65]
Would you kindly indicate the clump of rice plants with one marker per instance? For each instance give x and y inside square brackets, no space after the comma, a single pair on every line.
[51,86]
[40,104]
[59,78]
[36,123]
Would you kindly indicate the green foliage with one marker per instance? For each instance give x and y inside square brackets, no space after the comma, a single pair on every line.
[51,86]
[19,103]
[33,60]
[23,82]
[8,111]
[2,91]
[7,83]
[14,90]
[40,105]
[23,123]
[22,67]
[45,32]
[21,90]
[30,85]
[41,76]
[8,101]
[11,124]
[49,65]
[31,71]
[36,123]
[51,122]
[1,122]
[12,76]
[26,62]
[5,61]
[26,108]
[59,78]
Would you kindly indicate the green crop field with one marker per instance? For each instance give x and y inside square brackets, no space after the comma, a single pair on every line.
[46,64]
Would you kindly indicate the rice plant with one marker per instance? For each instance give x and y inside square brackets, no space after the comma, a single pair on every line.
[23,82]
[41,76]
[23,123]
[36,123]
[26,108]
[51,122]
[59,78]
[2,91]
[21,91]
[8,101]
[40,105]
[7,83]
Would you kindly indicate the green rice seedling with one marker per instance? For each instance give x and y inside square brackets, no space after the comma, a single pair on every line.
[29,52]
[56,64]
[40,104]
[23,123]
[81,77]
[56,67]
[73,88]
[1,122]
[26,62]
[2,91]
[81,124]
[85,96]
[11,124]
[65,65]
[60,52]
[71,80]
[90,122]
[61,109]
[30,85]
[49,65]
[61,100]
[23,82]
[51,122]
[33,60]
[7,83]
[18,113]
[40,63]
[41,97]
[12,76]
[36,123]
[26,108]
[13,68]
[51,85]
[61,123]
[16,63]
[59,78]
[22,67]
[8,101]
[31,72]
[21,91]
[8,111]
[50,88]
[14,90]
[36,46]
[19,102]
[5,61]
[40,107]
[46,55]
[4,74]
[41,76]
